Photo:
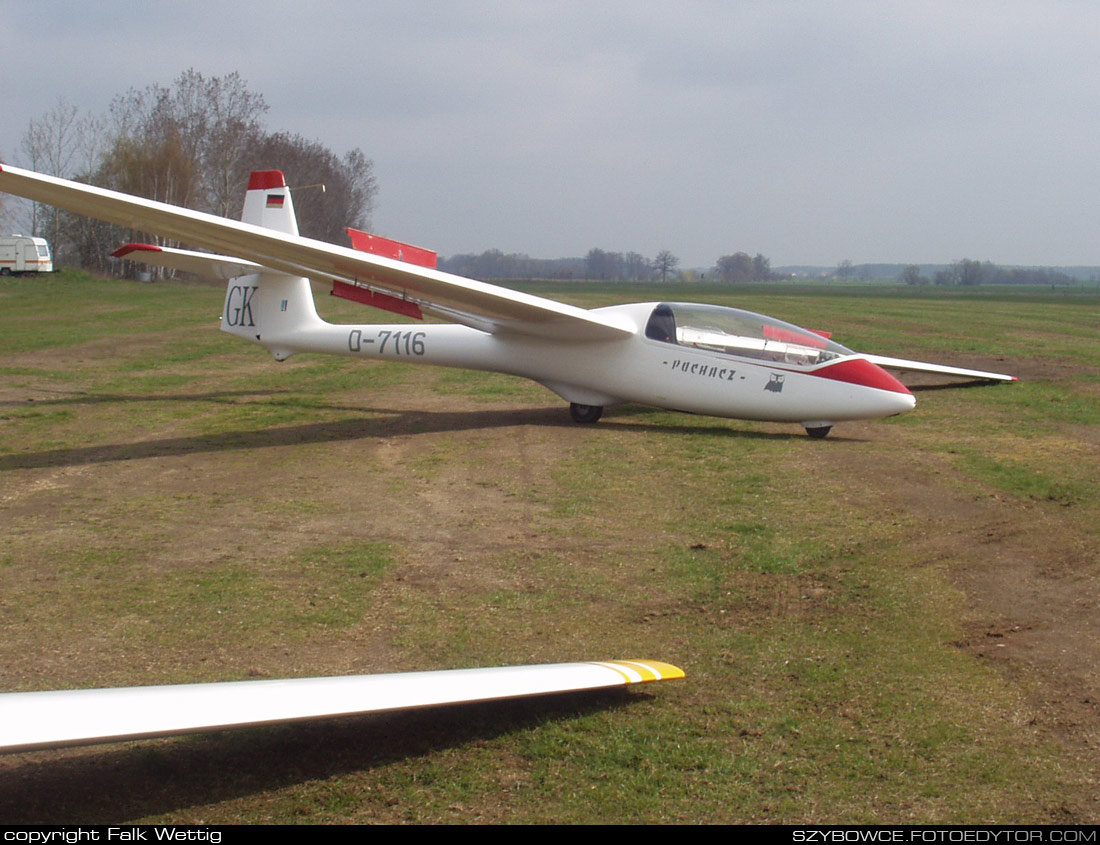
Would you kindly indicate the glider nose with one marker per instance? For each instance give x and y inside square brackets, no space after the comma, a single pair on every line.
[891,397]
[896,398]
[901,403]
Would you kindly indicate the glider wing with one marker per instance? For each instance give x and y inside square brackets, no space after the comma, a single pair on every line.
[36,720]
[478,304]
[920,366]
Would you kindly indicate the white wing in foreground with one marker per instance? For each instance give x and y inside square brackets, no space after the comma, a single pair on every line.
[478,304]
[920,366]
[36,720]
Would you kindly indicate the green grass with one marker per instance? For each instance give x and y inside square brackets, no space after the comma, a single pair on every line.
[179,507]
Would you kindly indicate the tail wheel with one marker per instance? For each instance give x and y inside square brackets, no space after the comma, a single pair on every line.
[585,414]
[818,432]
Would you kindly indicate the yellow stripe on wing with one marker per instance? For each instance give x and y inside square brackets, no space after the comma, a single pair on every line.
[643,671]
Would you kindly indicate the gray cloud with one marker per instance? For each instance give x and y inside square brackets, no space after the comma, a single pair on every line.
[810,131]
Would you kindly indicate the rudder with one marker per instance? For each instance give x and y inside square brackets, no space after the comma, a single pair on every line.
[269,308]
[268,202]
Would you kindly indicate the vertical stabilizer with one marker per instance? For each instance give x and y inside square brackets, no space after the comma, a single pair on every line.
[268,203]
[269,308]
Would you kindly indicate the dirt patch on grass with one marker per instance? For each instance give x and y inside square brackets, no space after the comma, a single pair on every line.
[1028,569]
[501,546]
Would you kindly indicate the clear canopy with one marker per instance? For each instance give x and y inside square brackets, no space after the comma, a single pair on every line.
[742,333]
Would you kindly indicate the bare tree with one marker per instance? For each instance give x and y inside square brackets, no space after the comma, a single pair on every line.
[207,121]
[3,205]
[637,266]
[665,263]
[48,147]
[60,142]
[190,144]
[232,119]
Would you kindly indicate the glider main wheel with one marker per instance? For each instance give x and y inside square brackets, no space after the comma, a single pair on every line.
[585,414]
[818,432]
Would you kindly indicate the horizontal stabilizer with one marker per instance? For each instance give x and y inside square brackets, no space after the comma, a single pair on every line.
[921,366]
[223,267]
[34,720]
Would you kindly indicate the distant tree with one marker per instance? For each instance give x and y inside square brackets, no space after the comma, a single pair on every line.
[971,273]
[738,267]
[637,267]
[3,204]
[761,268]
[845,269]
[911,276]
[58,142]
[211,122]
[192,144]
[946,276]
[665,263]
[230,115]
[494,264]
[596,265]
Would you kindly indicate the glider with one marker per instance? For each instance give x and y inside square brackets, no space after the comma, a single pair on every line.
[702,359]
[31,721]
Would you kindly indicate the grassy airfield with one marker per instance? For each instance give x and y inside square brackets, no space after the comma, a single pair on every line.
[892,625]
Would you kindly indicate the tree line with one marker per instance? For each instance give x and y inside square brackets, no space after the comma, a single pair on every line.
[192,143]
[602,265]
[968,272]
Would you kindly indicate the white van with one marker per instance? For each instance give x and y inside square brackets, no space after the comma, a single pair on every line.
[24,254]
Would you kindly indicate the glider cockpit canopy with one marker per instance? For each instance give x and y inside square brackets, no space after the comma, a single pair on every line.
[743,333]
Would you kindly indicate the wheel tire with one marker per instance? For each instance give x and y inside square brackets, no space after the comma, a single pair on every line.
[4,271]
[585,414]
[819,432]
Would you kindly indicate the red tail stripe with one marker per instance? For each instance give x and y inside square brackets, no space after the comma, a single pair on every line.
[262,180]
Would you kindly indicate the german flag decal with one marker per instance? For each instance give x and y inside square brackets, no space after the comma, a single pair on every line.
[275,200]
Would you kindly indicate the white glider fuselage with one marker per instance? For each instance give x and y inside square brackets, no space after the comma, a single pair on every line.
[278,312]
[703,359]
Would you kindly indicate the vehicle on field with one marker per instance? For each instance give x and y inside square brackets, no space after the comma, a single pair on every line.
[23,254]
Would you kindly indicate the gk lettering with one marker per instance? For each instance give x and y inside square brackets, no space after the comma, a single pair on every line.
[238,305]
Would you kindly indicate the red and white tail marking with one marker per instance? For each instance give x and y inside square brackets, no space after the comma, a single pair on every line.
[268,202]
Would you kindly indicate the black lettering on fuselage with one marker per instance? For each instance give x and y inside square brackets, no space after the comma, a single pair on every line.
[701,368]
[238,305]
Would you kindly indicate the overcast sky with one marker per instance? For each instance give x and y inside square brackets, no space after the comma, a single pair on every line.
[808,131]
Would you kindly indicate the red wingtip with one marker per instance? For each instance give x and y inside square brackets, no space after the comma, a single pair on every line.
[263,180]
[126,249]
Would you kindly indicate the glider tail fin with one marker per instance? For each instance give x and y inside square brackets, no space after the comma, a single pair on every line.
[269,308]
[268,202]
